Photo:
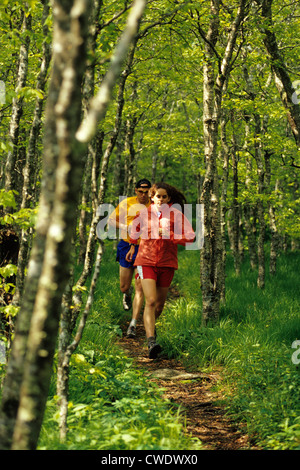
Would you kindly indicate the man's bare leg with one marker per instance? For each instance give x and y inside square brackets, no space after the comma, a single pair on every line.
[136,308]
[125,285]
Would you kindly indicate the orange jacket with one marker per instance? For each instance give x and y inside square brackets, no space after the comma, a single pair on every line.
[156,249]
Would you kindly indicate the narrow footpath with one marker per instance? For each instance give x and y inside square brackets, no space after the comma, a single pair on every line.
[196,394]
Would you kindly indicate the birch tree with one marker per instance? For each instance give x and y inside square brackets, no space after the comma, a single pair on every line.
[62,165]
[17,109]
[31,153]
[25,393]
[213,85]
[280,70]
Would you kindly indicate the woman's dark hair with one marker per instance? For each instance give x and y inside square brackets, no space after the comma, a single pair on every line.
[176,196]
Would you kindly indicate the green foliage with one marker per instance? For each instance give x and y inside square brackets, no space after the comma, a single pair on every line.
[252,343]
[167,78]
[112,404]
[113,407]
[7,272]
[7,198]
[23,218]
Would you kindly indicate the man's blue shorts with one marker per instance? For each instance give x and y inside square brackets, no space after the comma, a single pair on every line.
[122,250]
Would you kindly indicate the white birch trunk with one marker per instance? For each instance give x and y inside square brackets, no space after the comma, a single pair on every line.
[213,85]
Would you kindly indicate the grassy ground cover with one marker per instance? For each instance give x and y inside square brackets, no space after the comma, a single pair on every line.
[113,406]
[252,343]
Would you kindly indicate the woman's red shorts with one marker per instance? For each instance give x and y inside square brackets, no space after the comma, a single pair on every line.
[162,275]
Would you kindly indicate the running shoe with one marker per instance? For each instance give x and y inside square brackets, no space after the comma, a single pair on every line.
[131,332]
[153,350]
[127,303]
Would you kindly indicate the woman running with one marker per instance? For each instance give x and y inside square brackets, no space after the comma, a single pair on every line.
[160,228]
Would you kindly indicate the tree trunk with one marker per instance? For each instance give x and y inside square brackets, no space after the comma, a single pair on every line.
[211,254]
[118,180]
[68,319]
[130,154]
[89,185]
[209,285]
[64,340]
[31,157]
[260,203]
[224,156]
[249,208]
[48,268]
[280,70]
[98,105]
[68,347]
[70,34]
[274,244]
[17,106]
[235,204]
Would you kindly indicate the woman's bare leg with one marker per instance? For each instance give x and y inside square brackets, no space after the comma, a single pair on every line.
[149,289]
[161,296]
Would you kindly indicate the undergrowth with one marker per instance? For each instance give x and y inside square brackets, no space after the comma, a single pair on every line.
[252,342]
[112,405]
[255,343]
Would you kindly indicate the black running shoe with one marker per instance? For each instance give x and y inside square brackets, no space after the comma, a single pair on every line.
[153,349]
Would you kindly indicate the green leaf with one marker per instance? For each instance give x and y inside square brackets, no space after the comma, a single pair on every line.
[7,198]
[8,270]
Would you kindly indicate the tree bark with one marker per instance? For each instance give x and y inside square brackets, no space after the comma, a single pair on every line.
[31,157]
[260,204]
[235,203]
[89,185]
[65,334]
[48,267]
[17,106]
[213,86]
[68,319]
[224,155]
[281,75]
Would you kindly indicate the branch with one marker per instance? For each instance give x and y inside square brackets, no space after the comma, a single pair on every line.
[114,18]
[205,38]
[99,103]
[292,164]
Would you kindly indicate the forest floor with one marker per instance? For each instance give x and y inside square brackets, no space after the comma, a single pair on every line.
[196,393]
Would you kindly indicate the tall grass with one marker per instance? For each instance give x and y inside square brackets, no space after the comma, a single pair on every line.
[251,342]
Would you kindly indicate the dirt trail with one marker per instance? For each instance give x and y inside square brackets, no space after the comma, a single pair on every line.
[194,392]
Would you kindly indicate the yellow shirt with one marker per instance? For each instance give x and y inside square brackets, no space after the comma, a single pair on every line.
[125,212]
